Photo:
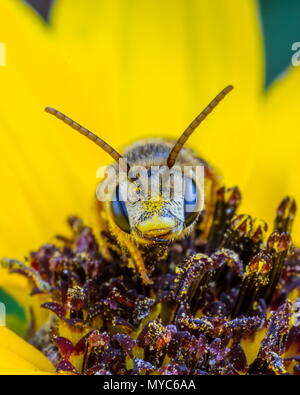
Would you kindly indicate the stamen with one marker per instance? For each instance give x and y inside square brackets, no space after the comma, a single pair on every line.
[228,201]
[208,304]
[285,215]
[256,277]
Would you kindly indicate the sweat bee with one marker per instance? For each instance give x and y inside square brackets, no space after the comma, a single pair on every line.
[153,221]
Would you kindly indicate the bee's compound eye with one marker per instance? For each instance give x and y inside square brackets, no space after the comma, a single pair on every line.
[119,212]
[190,201]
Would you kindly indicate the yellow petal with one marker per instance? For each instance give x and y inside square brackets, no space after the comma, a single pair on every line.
[48,171]
[251,346]
[165,60]
[19,357]
[18,287]
[15,283]
[276,170]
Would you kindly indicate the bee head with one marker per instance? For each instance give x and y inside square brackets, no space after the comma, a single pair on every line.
[171,204]
[158,204]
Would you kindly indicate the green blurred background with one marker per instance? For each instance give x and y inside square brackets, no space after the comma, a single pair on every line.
[281,27]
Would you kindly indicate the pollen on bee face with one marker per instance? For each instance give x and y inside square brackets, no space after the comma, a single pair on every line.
[153,205]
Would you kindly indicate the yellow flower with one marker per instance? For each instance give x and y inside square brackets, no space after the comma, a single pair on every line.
[131,69]
[19,357]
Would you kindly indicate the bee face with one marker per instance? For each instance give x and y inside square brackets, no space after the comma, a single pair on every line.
[160,205]
[150,220]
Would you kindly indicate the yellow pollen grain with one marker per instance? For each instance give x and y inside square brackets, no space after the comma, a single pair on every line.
[153,206]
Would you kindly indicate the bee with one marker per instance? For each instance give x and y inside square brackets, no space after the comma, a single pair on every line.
[154,221]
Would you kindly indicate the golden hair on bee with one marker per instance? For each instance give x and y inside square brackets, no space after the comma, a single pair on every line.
[154,221]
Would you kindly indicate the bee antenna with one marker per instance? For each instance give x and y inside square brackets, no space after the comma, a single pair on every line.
[91,136]
[196,122]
